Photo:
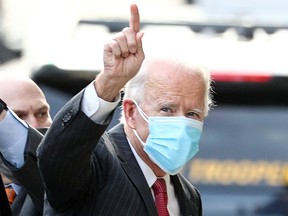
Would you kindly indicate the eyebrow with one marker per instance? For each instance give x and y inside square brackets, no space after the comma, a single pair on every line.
[171,104]
[18,111]
[198,110]
[44,107]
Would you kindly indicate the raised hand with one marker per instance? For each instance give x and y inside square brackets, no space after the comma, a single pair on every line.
[123,56]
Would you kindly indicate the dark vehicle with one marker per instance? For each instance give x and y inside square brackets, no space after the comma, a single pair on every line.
[242,165]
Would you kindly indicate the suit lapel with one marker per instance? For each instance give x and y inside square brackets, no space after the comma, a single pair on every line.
[187,207]
[131,167]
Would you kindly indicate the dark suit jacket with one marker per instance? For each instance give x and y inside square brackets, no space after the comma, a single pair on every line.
[29,201]
[87,171]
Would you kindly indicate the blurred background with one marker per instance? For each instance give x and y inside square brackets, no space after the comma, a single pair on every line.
[242,166]
[36,32]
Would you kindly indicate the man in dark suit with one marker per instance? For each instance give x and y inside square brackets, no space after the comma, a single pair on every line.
[26,99]
[87,171]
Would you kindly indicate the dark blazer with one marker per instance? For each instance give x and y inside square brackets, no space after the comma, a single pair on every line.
[29,201]
[87,171]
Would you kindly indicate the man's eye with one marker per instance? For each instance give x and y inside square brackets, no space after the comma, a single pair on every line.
[42,114]
[166,110]
[193,115]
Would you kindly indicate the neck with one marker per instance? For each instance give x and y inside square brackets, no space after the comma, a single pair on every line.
[142,154]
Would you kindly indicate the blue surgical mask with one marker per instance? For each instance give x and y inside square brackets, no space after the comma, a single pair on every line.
[172,140]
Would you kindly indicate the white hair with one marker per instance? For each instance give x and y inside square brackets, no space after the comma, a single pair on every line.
[135,88]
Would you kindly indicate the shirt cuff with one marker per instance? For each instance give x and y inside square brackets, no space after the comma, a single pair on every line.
[13,142]
[96,108]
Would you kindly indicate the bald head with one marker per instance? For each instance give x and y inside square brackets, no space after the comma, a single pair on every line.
[26,99]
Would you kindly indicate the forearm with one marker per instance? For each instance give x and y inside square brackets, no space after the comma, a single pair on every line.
[66,151]
[65,159]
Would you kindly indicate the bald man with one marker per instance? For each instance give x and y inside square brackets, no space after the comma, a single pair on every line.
[26,99]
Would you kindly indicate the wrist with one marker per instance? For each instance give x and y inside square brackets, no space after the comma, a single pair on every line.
[106,89]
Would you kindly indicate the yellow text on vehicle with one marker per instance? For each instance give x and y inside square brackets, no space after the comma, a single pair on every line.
[243,172]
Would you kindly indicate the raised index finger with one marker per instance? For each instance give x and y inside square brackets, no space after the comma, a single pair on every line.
[135,18]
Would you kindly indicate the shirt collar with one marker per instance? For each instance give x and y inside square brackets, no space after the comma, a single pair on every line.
[147,171]
[15,187]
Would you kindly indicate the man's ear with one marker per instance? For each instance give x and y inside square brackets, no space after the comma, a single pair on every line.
[129,109]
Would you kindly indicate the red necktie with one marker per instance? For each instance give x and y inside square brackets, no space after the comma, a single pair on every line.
[161,199]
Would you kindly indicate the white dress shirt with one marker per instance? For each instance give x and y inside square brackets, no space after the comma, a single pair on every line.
[173,206]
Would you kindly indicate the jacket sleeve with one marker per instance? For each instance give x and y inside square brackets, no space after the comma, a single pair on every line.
[65,155]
